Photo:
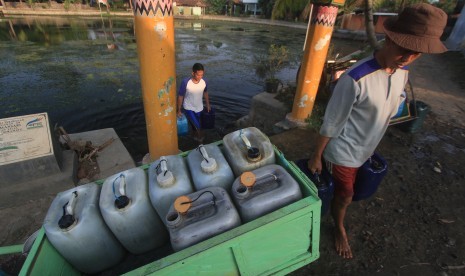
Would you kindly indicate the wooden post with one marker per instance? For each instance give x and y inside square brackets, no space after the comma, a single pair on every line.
[154,24]
[319,34]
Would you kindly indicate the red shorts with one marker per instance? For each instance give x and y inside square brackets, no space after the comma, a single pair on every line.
[344,179]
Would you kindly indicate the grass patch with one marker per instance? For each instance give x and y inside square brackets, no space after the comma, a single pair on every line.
[287,94]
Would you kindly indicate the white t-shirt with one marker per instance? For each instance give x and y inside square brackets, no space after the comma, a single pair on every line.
[193,94]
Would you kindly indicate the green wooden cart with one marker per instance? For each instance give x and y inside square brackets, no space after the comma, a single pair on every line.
[274,244]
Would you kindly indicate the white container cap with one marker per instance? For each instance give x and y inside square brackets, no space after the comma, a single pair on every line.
[208,165]
[165,179]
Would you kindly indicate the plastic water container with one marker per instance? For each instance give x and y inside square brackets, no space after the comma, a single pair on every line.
[207,119]
[420,110]
[209,168]
[198,216]
[168,179]
[402,110]
[369,177]
[183,127]
[75,227]
[263,191]
[248,149]
[323,182]
[126,208]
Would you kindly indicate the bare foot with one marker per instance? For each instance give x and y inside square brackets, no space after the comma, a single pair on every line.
[342,244]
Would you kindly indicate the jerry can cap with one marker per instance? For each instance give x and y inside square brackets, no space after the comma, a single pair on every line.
[182,204]
[248,179]
[208,165]
[253,154]
[165,179]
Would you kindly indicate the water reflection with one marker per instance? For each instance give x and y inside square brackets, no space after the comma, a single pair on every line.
[85,72]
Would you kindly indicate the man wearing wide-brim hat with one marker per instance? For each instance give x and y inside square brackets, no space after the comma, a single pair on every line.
[365,98]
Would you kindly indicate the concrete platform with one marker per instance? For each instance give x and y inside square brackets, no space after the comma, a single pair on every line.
[112,159]
[23,206]
[15,194]
[265,111]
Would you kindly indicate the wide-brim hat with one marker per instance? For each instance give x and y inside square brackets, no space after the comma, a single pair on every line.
[418,28]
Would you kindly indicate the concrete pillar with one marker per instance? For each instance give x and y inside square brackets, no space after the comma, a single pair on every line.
[316,48]
[154,24]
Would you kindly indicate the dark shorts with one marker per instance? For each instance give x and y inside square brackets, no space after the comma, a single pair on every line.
[344,179]
[193,118]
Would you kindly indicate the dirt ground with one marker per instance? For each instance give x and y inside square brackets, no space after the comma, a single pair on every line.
[414,224]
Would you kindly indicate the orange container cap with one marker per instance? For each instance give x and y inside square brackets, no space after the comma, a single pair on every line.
[182,204]
[248,179]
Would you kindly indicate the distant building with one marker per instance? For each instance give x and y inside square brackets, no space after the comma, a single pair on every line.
[189,7]
[197,7]
[251,6]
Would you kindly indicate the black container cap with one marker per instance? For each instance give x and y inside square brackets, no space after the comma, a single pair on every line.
[253,153]
[66,221]
[121,202]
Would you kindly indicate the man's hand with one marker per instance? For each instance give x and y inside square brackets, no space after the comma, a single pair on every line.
[314,164]
[179,114]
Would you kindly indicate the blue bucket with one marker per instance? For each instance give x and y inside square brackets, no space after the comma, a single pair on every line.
[369,177]
[207,119]
[183,127]
[324,183]
[402,110]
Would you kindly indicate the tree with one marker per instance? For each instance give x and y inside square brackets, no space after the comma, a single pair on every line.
[266,6]
[284,8]
[289,9]
[216,6]
[369,26]
[302,8]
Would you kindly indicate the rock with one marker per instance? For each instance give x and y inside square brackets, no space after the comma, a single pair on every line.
[438,170]
[450,242]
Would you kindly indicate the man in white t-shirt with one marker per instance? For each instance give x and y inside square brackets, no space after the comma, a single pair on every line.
[190,98]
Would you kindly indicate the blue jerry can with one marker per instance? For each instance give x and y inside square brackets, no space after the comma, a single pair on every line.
[207,119]
[183,127]
[369,177]
[323,182]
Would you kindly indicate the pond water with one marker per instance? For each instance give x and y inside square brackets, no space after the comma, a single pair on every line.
[63,66]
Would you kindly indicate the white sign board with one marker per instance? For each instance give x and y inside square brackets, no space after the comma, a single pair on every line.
[24,137]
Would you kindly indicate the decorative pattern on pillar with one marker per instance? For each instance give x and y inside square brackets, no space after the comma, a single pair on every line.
[152,7]
[325,16]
